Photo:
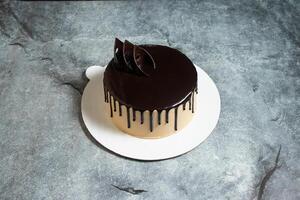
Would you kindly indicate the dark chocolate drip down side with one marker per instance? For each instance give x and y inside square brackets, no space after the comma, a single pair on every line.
[111,110]
[105,95]
[151,120]
[193,94]
[190,103]
[112,104]
[176,118]
[133,114]
[167,116]
[115,107]
[142,117]
[128,116]
[159,117]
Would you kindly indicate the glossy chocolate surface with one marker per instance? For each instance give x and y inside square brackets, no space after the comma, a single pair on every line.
[171,82]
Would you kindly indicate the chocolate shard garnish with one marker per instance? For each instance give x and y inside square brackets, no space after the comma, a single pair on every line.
[118,51]
[128,55]
[143,60]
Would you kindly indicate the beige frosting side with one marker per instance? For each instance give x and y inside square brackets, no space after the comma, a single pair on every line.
[143,130]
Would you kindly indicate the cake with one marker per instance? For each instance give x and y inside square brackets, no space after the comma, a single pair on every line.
[150,90]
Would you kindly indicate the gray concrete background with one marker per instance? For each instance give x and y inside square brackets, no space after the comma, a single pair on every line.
[251,49]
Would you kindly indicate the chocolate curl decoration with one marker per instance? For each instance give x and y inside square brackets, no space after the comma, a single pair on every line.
[143,61]
[128,55]
[118,51]
[132,58]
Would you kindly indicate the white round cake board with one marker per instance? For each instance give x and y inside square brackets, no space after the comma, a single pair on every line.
[98,122]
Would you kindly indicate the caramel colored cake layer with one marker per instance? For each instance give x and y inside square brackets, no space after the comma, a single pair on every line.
[150,90]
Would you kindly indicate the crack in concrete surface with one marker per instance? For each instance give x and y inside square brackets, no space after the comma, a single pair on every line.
[130,190]
[268,175]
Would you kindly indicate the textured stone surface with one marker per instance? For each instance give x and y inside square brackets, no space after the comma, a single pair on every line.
[251,50]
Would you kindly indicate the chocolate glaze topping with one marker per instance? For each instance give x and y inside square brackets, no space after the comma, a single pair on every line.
[149,77]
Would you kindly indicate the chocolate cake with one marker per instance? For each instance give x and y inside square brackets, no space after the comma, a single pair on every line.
[150,89]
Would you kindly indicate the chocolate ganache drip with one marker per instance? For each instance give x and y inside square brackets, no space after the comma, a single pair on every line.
[149,77]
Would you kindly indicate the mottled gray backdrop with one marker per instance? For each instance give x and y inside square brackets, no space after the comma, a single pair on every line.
[251,49]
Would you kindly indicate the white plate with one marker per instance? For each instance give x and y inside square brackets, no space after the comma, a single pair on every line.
[98,122]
